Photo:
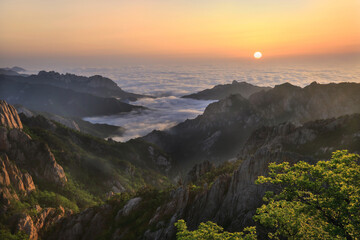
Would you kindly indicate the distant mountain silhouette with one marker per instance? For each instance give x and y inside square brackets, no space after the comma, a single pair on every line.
[61,101]
[14,71]
[96,85]
[224,90]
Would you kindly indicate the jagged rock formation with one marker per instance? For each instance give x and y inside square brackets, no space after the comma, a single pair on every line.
[13,183]
[45,219]
[232,200]
[8,116]
[226,125]
[223,91]
[31,155]
[34,156]
[100,168]
[21,158]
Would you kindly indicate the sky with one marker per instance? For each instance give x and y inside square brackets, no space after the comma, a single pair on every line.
[83,29]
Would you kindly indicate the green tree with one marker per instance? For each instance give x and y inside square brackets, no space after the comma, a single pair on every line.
[7,235]
[211,231]
[319,201]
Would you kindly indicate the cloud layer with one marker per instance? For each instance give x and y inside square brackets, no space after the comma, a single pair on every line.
[163,112]
[170,81]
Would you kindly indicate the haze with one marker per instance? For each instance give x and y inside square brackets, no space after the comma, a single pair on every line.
[80,29]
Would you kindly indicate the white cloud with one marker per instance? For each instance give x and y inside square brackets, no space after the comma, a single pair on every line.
[169,81]
[163,113]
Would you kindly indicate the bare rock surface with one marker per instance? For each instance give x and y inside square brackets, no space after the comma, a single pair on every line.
[8,116]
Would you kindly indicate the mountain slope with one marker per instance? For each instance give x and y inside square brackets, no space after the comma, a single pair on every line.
[222,91]
[226,125]
[48,171]
[95,85]
[229,198]
[97,130]
[65,102]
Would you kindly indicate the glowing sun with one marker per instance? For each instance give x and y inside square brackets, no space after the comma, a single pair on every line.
[257,55]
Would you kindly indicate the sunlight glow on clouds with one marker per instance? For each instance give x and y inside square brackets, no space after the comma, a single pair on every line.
[214,28]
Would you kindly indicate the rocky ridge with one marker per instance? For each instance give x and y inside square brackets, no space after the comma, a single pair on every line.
[21,158]
[8,116]
[222,91]
[224,127]
[231,199]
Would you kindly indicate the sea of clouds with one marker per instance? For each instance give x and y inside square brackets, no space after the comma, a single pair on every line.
[168,82]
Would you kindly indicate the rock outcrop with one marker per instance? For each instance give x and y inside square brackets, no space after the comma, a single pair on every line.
[21,159]
[10,175]
[31,155]
[34,226]
[86,225]
[13,183]
[8,116]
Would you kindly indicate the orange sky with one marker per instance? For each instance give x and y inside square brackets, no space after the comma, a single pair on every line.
[194,28]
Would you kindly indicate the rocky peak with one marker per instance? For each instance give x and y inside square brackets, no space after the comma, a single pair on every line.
[8,116]
[24,151]
[11,175]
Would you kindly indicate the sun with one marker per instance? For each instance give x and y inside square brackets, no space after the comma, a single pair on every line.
[257,55]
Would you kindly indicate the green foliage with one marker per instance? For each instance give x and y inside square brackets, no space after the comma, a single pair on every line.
[5,234]
[51,199]
[319,201]
[135,224]
[223,169]
[211,231]
[91,163]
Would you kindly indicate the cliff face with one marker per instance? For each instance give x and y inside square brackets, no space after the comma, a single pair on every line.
[8,116]
[21,159]
[225,126]
[12,178]
[231,201]
[287,102]
[32,178]
[29,154]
